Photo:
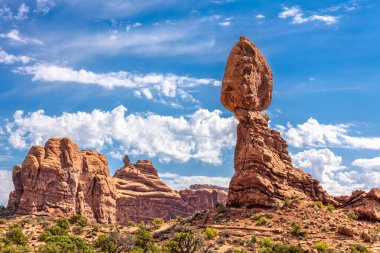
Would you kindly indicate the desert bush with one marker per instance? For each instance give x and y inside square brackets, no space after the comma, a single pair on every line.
[210,233]
[15,236]
[358,248]
[323,247]
[330,207]
[287,202]
[225,233]
[114,242]
[239,241]
[63,223]
[78,219]
[352,215]
[268,246]
[318,204]
[239,250]
[63,244]
[3,221]
[263,221]
[220,208]
[15,249]
[254,239]
[54,230]
[95,227]
[144,241]
[296,230]
[157,222]
[185,242]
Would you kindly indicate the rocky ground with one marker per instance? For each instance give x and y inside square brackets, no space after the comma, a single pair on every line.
[296,222]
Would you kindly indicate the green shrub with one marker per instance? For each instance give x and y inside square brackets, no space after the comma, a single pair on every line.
[220,208]
[63,223]
[358,248]
[254,239]
[352,215]
[318,204]
[184,242]
[263,221]
[157,222]
[323,247]
[297,230]
[225,233]
[210,233]
[268,246]
[54,230]
[239,241]
[15,249]
[287,202]
[62,244]
[330,207]
[78,220]
[239,250]
[144,240]
[266,242]
[15,236]
[114,242]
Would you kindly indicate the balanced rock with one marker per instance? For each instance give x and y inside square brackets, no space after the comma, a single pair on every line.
[58,179]
[264,174]
[248,79]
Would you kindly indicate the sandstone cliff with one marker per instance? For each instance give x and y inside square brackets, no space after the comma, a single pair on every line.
[60,180]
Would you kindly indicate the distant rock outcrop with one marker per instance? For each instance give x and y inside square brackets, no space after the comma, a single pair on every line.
[264,173]
[204,196]
[60,180]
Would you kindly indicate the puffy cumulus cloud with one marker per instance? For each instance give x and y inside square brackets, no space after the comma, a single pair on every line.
[166,85]
[298,16]
[178,182]
[337,179]
[7,14]
[11,59]
[6,186]
[15,36]
[316,135]
[202,135]
[372,164]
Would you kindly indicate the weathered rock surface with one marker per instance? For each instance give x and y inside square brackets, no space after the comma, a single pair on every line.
[141,195]
[248,79]
[203,197]
[59,179]
[364,204]
[264,173]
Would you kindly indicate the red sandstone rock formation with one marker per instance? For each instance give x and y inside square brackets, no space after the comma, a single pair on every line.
[264,173]
[203,197]
[365,205]
[59,179]
[141,195]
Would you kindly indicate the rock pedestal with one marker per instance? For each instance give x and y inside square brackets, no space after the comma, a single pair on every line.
[264,173]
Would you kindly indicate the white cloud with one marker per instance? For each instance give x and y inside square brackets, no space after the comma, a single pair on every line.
[15,35]
[316,135]
[298,16]
[129,27]
[202,135]
[372,164]
[11,59]
[6,186]
[337,179]
[5,158]
[6,13]
[22,13]
[44,6]
[260,16]
[167,85]
[178,182]
[225,23]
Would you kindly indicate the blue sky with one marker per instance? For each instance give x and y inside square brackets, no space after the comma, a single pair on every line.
[143,78]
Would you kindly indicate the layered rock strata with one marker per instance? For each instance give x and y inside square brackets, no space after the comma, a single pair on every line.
[60,180]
